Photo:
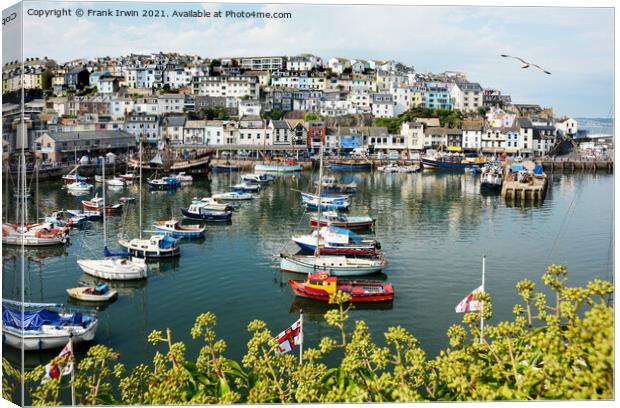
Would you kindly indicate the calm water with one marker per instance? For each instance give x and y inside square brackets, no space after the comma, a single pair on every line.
[434,229]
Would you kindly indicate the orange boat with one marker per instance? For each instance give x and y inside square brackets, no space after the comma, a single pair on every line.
[319,286]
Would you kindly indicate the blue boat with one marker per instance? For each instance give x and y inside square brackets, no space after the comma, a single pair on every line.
[177,230]
[165,183]
[90,215]
[328,201]
[197,211]
[450,163]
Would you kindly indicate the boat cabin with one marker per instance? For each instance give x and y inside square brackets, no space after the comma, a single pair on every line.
[322,281]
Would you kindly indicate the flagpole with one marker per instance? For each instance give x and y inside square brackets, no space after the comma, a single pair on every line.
[484,261]
[301,335]
[73,356]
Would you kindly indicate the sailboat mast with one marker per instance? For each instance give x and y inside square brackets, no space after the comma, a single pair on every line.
[103,209]
[317,251]
[140,184]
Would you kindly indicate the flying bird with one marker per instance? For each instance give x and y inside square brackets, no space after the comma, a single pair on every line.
[526,64]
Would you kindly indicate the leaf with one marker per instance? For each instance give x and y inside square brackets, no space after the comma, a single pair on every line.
[222,388]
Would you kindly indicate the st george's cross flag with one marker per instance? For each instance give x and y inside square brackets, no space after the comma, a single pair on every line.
[63,365]
[469,304]
[289,338]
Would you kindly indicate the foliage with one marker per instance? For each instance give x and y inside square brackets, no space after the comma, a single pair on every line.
[562,349]
[312,117]
[447,118]
[274,114]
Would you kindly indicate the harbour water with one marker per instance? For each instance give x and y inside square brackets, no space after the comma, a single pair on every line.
[434,228]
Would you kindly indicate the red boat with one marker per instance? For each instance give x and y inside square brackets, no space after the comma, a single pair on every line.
[96,204]
[73,178]
[319,286]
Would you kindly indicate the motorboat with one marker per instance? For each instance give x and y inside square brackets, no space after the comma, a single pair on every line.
[198,211]
[336,240]
[327,201]
[99,293]
[97,204]
[164,183]
[177,230]
[79,186]
[233,196]
[157,246]
[321,286]
[183,178]
[258,178]
[44,326]
[342,220]
[115,182]
[211,203]
[91,215]
[245,187]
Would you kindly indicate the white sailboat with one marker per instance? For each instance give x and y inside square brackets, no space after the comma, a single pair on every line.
[110,267]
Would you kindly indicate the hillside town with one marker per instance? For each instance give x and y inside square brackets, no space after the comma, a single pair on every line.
[266,106]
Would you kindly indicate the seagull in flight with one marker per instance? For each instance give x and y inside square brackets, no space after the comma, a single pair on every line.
[526,64]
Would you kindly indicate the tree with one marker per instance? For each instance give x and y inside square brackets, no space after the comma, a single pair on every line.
[311,117]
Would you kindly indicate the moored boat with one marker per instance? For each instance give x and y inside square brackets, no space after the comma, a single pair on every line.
[342,220]
[211,203]
[278,167]
[349,165]
[129,177]
[320,286]
[92,215]
[79,186]
[157,246]
[44,326]
[183,178]
[97,204]
[245,187]
[327,201]
[257,178]
[164,183]
[332,265]
[224,168]
[177,230]
[335,240]
[330,184]
[197,211]
[233,196]
[115,182]
[491,177]
[34,235]
[99,293]
[451,161]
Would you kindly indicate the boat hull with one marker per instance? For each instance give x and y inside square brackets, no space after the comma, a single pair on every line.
[443,165]
[198,233]
[52,338]
[109,209]
[300,265]
[154,253]
[209,216]
[275,168]
[359,225]
[386,293]
[81,294]
[222,168]
[113,269]
[349,166]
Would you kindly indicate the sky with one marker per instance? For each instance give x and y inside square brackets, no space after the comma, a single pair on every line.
[575,44]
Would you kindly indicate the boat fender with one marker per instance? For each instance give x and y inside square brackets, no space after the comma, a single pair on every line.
[378,245]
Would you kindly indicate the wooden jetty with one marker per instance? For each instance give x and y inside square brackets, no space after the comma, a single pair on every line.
[578,165]
[533,188]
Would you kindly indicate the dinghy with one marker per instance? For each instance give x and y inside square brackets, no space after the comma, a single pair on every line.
[99,293]
[234,196]
[177,230]
[320,286]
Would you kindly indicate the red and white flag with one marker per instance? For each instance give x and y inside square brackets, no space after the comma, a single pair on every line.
[64,366]
[469,304]
[289,338]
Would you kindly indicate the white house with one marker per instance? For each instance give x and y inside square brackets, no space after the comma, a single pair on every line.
[170,103]
[567,126]
[413,133]
[466,96]
[194,132]
[174,129]
[214,132]
[383,106]
[249,107]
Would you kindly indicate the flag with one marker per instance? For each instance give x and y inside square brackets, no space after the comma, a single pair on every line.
[289,338]
[63,366]
[469,304]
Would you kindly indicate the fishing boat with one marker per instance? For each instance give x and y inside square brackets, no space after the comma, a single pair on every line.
[157,246]
[233,196]
[335,240]
[115,182]
[99,293]
[44,234]
[198,211]
[245,187]
[320,286]
[278,167]
[332,264]
[44,326]
[330,184]
[177,230]
[210,203]
[342,220]
[93,215]
[257,178]
[164,183]
[491,177]
[348,165]
[451,161]
[183,178]
[79,186]
[119,266]
[96,204]
[224,168]
[328,201]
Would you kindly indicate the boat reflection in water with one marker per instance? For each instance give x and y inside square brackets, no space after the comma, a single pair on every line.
[318,308]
